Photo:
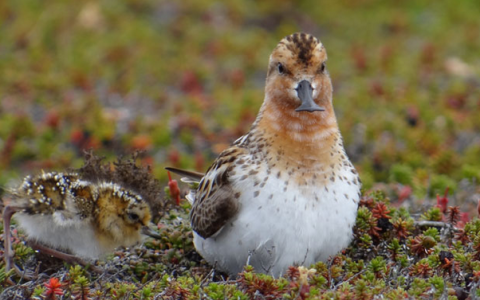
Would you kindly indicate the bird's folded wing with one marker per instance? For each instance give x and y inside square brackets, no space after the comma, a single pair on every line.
[215,200]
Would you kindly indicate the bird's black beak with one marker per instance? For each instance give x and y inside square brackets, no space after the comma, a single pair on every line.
[150,232]
[305,92]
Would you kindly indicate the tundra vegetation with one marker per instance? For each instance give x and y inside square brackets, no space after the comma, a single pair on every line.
[182,80]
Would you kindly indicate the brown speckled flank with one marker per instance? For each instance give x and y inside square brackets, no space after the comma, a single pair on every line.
[286,189]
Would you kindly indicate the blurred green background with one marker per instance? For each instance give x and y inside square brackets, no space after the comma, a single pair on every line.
[183,79]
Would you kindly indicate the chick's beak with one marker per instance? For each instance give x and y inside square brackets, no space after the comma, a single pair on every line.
[305,93]
[150,232]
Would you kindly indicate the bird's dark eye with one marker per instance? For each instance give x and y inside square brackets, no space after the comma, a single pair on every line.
[322,68]
[133,217]
[281,68]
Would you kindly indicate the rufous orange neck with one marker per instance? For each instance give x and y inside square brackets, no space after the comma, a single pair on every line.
[306,128]
[302,136]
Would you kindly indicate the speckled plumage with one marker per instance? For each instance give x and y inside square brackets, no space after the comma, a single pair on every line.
[285,193]
[87,219]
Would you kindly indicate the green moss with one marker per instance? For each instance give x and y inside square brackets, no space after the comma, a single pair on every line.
[401,173]
[439,183]
[433,214]
[377,266]
[432,232]
[220,291]
[471,172]
[438,284]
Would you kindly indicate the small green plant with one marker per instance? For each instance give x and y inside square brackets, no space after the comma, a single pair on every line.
[401,173]
[433,214]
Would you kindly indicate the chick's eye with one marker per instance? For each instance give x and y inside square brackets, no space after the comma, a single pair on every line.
[281,68]
[133,217]
[322,68]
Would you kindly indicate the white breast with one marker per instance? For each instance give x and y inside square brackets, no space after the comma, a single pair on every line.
[74,235]
[280,224]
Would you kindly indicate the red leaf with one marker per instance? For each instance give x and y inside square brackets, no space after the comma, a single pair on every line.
[53,288]
[442,202]
[174,190]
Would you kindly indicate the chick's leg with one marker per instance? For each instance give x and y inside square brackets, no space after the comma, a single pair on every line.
[71,259]
[8,212]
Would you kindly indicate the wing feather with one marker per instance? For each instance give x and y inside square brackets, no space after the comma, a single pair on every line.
[215,202]
[190,174]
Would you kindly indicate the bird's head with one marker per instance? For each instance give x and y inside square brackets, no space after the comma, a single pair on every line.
[121,214]
[297,78]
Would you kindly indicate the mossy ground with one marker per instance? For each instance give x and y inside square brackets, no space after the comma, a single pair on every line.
[182,80]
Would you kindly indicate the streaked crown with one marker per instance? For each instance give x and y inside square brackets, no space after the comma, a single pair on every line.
[301,47]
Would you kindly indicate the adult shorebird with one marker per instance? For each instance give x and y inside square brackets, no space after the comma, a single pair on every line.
[285,193]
